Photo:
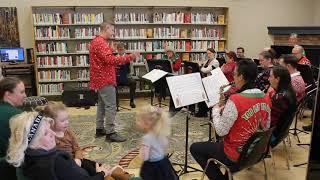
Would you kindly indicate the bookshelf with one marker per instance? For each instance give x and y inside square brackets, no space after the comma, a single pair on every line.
[62,36]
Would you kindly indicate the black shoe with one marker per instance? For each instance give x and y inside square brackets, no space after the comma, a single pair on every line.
[115,137]
[198,114]
[100,133]
[307,128]
[132,104]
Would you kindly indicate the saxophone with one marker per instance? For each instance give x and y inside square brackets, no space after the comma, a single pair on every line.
[222,99]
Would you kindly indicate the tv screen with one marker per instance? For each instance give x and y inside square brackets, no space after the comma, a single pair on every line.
[12,54]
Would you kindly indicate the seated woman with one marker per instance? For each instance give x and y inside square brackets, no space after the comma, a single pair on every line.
[266,62]
[32,146]
[229,66]
[205,69]
[283,101]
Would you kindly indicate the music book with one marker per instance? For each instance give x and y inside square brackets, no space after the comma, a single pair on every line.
[191,89]
[155,75]
[186,89]
[212,86]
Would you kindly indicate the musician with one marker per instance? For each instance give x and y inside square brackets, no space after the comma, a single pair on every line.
[229,66]
[205,68]
[173,58]
[210,64]
[237,122]
[124,75]
[298,52]
[266,62]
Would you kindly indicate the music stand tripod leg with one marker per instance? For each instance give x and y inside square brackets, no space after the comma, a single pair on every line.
[185,164]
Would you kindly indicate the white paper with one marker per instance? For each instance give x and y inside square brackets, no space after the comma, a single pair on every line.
[186,89]
[212,86]
[154,75]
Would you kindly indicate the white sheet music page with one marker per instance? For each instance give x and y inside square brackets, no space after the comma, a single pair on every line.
[212,86]
[154,75]
[186,89]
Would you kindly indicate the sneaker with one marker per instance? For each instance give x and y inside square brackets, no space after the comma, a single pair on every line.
[132,104]
[100,133]
[115,137]
[307,128]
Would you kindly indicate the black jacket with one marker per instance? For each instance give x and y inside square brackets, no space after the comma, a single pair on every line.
[54,165]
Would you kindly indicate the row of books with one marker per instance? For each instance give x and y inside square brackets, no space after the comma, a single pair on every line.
[207,18]
[217,33]
[52,32]
[62,61]
[131,17]
[67,18]
[49,89]
[198,57]
[52,75]
[52,47]
[83,84]
[83,74]
[204,45]
[86,32]
[174,17]
[169,32]
[54,61]
[82,47]
[82,60]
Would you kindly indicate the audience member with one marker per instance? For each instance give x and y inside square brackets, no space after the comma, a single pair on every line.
[12,94]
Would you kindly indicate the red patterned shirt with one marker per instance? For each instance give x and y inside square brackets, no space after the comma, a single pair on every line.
[228,70]
[103,63]
[304,60]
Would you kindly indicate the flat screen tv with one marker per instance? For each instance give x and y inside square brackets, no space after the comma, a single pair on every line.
[12,55]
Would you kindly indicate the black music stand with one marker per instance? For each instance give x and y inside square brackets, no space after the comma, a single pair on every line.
[187,67]
[164,65]
[122,71]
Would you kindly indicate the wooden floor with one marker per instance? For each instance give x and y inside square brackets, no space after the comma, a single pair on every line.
[280,171]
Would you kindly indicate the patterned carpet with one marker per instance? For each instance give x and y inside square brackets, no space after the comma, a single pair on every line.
[126,153]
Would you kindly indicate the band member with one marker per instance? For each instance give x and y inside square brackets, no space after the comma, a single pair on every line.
[124,75]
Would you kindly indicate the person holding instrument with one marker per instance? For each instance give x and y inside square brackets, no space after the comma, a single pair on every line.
[124,75]
[205,69]
[103,80]
[245,113]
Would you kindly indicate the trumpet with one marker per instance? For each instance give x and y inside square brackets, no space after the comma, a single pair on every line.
[222,99]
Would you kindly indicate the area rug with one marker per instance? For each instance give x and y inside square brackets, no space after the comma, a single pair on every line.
[127,153]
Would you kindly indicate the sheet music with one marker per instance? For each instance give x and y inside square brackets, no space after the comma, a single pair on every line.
[154,75]
[212,86]
[186,89]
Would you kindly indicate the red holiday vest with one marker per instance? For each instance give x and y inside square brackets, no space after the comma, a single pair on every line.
[253,112]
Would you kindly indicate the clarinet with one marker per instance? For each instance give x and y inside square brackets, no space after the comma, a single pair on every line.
[222,99]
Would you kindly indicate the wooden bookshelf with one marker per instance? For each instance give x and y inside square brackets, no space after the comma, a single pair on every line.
[62,33]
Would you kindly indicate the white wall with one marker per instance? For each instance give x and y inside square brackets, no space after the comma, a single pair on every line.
[248,19]
[316,10]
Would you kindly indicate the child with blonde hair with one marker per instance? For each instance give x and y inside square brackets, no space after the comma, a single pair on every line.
[156,125]
[66,140]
